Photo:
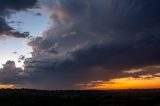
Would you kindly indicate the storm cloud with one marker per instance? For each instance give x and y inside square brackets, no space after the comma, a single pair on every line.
[8,7]
[89,40]
[97,40]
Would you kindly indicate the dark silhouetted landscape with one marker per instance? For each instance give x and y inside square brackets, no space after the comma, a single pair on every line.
[28,97]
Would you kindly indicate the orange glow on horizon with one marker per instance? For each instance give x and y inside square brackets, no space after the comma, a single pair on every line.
[6,86]
[144,82]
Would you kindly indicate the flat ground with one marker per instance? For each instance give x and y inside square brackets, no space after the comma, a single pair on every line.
[26,97]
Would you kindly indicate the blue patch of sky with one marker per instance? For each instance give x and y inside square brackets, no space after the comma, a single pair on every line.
[35,24]
[29,21]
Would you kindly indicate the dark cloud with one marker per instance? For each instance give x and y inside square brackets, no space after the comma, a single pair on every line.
[97,21]
[10,74]
[77,66]
[8,7]
[121,35]
[21,58]
[94,40]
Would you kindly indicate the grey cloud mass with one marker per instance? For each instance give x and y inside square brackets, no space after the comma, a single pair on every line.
[94,40]
[121,35]
[10,74]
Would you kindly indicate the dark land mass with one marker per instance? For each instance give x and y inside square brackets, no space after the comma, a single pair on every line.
[29,97]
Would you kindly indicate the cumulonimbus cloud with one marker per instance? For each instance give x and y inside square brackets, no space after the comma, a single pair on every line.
[120,35]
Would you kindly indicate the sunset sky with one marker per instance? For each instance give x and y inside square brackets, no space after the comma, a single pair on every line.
[80,44]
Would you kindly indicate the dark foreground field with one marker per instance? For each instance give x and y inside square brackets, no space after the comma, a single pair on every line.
[26,97]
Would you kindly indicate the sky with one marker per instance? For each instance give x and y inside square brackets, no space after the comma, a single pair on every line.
[80,44]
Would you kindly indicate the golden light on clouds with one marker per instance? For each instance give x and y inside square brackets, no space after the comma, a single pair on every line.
[142,82]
